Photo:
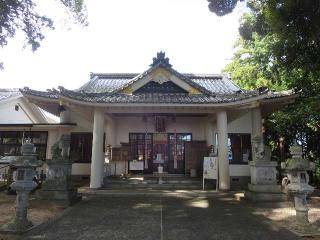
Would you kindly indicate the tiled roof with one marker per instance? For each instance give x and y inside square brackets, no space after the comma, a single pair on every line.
[153,98]
[9,93]
[51,94]
[205,83]
[107,88]
[170,98]
[106,82]
[211,83]
[215,83]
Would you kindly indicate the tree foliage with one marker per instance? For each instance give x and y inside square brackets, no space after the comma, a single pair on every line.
[279,47]
[222,7]
[22,15]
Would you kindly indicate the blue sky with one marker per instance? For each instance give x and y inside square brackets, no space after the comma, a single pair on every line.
[122,36]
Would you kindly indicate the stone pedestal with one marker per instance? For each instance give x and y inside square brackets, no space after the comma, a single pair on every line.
[58,185]
[263,186]
[300,204]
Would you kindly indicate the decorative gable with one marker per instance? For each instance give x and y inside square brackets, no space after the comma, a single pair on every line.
[161,78]
[160,87]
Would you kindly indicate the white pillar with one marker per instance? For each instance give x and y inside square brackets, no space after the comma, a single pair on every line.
[52,139]
[97,157]
[224,175]
[209,132]
[256,122]
[65,115]
[110,129]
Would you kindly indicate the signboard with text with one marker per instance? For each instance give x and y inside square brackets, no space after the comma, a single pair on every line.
[210,168]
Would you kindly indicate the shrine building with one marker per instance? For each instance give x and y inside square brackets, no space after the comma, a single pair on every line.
[130,122]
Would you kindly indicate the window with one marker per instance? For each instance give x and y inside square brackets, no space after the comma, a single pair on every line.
[81,147]
[11,141]
[138,146]
[239,148]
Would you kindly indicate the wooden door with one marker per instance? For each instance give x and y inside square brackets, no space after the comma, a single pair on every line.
[176,163]
[160,146]
[195,151]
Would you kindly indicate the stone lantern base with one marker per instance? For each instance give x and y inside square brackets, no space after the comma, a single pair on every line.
[17,225]
[263,186]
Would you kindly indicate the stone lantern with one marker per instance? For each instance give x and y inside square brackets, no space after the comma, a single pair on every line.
[23,183]
[296,169]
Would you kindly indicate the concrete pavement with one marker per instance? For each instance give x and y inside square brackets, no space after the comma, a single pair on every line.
[181,216]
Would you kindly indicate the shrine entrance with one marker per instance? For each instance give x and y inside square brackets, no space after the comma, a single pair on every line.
[149,150]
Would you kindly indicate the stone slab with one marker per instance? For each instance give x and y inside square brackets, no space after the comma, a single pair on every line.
[263,163]
[69,197]
[268,197]
[266,188]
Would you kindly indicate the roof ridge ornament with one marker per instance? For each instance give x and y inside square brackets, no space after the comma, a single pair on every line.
[161,59]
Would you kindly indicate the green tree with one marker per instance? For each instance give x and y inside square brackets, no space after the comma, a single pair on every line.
[279,48]
[253,65]
[21,15]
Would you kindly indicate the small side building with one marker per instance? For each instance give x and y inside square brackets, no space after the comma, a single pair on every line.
[19,120]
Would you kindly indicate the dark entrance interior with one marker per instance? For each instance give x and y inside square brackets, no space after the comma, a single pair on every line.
[170,147]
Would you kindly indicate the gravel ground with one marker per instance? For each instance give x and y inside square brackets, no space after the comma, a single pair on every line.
[283,214]
[39,211]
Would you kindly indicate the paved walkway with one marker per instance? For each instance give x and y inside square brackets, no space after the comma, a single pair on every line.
[161,217]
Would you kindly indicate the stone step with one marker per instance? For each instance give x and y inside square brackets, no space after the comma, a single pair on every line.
[153,182]
[154,186]
[172,182]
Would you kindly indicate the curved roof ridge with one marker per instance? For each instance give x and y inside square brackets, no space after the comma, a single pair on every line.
[132,75]
[121,75]
[203,75]
[50,93]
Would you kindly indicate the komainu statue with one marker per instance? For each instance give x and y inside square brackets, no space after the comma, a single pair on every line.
[261,152]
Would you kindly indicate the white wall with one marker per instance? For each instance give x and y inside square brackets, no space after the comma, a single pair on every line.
[83,125]
[125,125]
[237,170]
[8,114]
[243,124]
[195,125]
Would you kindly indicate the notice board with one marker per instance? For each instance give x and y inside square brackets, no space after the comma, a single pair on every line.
[210,168]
